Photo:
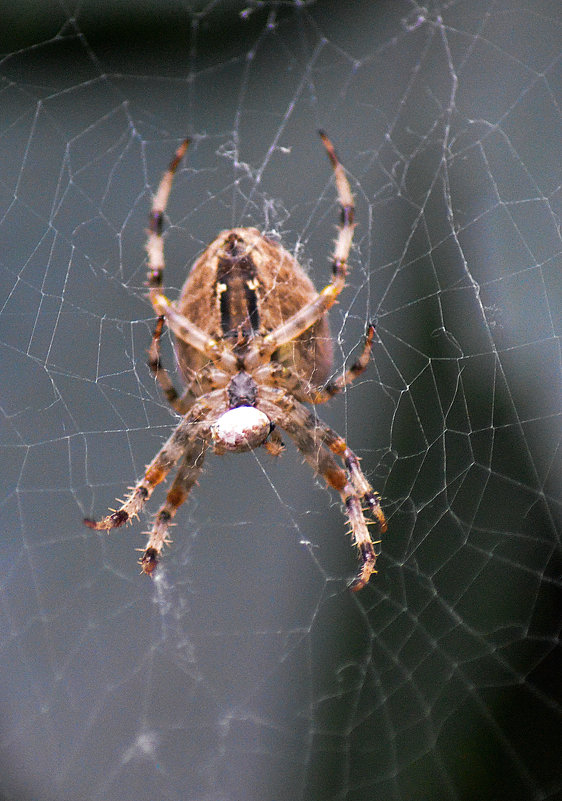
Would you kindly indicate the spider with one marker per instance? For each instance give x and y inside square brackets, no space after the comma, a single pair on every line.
[253,345]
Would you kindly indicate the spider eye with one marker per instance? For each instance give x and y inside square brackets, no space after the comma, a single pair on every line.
[241,429]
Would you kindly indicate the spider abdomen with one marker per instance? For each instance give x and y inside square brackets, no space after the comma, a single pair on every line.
[245,284]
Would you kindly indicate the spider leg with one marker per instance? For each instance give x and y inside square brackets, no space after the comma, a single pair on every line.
[311,437]
[299,322]
[180,404]
[274,444]
[340,448]
[155,243]
[184,481]
[192,335]
[279,375]
[359,366]
[180,325]
[194,425]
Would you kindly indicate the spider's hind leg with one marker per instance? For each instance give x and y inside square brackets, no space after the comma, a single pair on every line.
[183,328]
[308,314]
[155,243]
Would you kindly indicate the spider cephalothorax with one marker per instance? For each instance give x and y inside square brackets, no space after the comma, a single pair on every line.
[253,345]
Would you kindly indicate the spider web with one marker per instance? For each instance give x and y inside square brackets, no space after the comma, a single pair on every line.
[247,670]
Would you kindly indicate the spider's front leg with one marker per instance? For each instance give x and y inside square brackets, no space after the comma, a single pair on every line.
[186,478]
[339,446]
[313,438]
[193,426]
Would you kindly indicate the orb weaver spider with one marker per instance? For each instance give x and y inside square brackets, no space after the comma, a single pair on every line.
[253,345]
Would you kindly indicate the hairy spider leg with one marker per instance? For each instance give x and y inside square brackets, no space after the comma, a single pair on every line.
[179,403]
[311,435]
[208,378]
[155,244]
[339,446]
[311,312]
[191,427]
[186,478]
[280,375]
[359,366]
[163,307]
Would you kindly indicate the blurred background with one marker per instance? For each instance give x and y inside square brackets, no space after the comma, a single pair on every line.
[247,670]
